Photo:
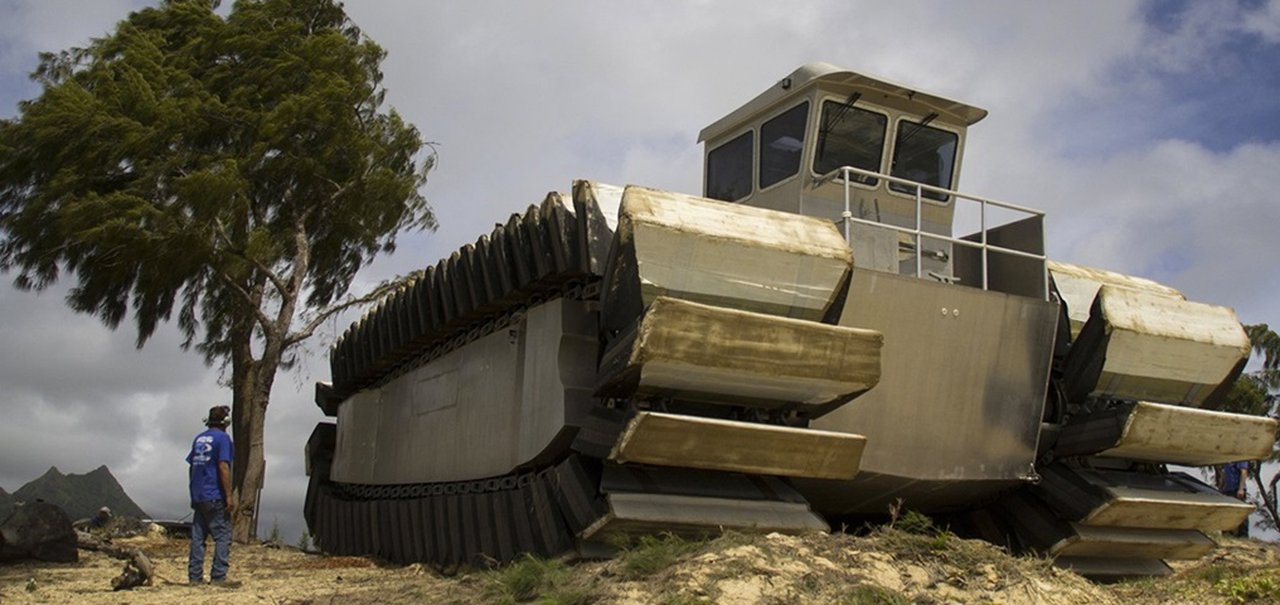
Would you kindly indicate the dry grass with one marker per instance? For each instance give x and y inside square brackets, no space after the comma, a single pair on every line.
[912,562]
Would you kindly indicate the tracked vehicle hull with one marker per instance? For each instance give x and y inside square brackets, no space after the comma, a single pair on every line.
[473,428]
[822,348]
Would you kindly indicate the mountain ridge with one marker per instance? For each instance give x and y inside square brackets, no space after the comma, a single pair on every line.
[80,495]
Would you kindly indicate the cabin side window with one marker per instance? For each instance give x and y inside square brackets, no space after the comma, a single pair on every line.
[850,136]
[926,155]
[729,169]
[781,141]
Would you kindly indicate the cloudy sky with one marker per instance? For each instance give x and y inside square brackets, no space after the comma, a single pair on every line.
[1148,132]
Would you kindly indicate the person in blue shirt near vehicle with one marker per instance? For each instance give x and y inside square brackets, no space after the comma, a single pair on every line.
[210,484]
[1234,477]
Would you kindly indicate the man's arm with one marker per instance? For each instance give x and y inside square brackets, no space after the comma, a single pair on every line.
[1244,477]
[224,477]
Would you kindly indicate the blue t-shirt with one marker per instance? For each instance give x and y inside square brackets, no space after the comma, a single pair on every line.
[1231,476]
[207,450]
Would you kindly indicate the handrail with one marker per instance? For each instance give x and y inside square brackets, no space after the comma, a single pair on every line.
[918,232]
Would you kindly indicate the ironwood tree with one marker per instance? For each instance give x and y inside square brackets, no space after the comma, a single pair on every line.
[229,172]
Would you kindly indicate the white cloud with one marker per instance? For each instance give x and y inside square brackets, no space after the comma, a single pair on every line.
[1264,21]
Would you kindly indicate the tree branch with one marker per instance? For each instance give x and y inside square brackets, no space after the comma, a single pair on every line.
[249,300]
[380,291]
[257,264]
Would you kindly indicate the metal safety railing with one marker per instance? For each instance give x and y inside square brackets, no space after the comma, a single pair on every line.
[918,233]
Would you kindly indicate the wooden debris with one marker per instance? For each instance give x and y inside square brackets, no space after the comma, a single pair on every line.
[137,571]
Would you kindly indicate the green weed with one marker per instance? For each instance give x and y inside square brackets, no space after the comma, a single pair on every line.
[873,595]
[652,554]
[1264,586]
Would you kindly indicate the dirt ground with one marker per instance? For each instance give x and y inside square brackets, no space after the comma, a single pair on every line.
[885,567]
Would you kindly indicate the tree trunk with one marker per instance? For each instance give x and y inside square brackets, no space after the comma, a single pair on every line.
[252,380]
[243,377]
[249,452]
[1268,497]
[251,386]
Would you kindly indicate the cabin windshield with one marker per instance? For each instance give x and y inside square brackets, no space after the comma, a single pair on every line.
[850,136]
[923,154]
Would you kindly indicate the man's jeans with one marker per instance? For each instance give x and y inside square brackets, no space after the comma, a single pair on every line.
[210,518]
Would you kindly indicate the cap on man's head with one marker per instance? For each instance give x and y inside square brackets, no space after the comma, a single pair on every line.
[104,510]
[218,416]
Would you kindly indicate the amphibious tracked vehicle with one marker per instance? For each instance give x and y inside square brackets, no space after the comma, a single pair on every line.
[810,341]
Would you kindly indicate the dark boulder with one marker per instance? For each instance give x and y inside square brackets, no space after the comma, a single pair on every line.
[38,530]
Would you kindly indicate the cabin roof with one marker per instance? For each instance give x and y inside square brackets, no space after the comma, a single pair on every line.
[800,79]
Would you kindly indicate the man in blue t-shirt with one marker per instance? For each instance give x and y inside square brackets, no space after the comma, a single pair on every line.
[210,484]
[1234,477]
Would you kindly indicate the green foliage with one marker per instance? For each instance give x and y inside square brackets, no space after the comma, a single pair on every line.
[187,161]
[236,172]
[914,522]
[873,595]
[1253,393]
[1265,342]
[531,578]
[1248,395]
[1260,587]
[304,542]
[652,554]
[275,538]
[914,531]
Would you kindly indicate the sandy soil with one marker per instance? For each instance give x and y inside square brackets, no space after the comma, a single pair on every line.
[889,567]
[265,575]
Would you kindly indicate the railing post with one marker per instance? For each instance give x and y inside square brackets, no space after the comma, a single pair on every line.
[847,215]
[919,234]
[982,228]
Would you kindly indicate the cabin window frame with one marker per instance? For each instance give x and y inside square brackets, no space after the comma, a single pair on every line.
[862,105]
[751,165]
[955,160]
[760,143]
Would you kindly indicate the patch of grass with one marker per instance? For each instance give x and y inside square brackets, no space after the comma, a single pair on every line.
[1262,587]
[913,522]
[915,545]
[530,578]
[873,595]
[926,543]
[275,539]
[652,554]
[914,533]
[1213,574]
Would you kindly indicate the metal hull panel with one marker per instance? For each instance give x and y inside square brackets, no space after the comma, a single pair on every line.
[962,388]
[479,411]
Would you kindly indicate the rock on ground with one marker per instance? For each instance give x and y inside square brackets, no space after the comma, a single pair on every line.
[38,530]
